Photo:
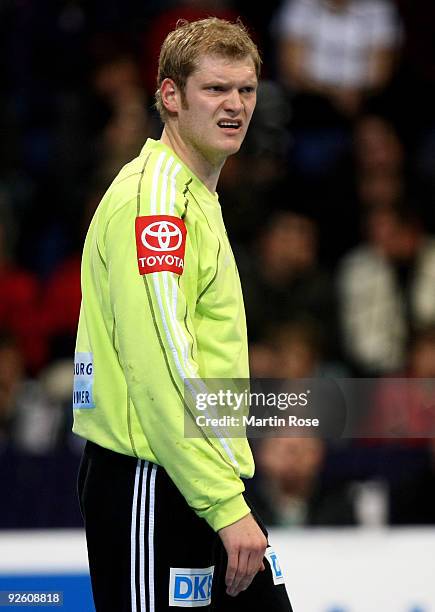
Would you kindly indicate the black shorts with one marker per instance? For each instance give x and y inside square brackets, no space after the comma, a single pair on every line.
[148,550]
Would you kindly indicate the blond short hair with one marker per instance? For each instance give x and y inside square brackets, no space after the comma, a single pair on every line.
[184,46]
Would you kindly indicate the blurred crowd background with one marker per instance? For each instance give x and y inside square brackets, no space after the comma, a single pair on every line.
[330,208]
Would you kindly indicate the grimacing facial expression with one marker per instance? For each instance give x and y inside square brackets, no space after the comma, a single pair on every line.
[217,105]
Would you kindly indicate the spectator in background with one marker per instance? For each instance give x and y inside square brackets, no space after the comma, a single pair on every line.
[332,55]
[377,190]
[282,279]
[289,488]
[119,90]
[292,350]
[377,146]
[379,162]
[386,289]
[337,51]
[381,178]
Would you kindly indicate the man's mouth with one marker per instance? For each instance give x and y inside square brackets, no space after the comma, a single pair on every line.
[230,124]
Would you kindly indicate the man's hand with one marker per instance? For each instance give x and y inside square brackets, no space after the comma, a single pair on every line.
[245,544]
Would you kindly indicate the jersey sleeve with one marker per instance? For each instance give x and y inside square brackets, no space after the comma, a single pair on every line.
[156,345]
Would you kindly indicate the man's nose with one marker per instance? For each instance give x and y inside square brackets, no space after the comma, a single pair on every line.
[233,101]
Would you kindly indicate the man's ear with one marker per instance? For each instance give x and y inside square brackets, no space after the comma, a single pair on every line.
[169,94]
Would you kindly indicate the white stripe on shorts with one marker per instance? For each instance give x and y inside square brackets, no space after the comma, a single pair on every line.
[138,540]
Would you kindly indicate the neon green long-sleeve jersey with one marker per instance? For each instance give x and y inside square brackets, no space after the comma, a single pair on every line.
[161,303]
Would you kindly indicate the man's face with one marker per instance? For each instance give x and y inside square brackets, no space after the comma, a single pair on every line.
[217,106]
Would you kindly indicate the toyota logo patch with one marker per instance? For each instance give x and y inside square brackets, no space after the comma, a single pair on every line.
[162,236]
[160,244]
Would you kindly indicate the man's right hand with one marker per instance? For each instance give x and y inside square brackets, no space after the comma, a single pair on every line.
[245,544]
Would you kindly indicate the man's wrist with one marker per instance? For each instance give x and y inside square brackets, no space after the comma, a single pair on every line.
[227,512]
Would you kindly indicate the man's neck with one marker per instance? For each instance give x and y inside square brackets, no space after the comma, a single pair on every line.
[200,166]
